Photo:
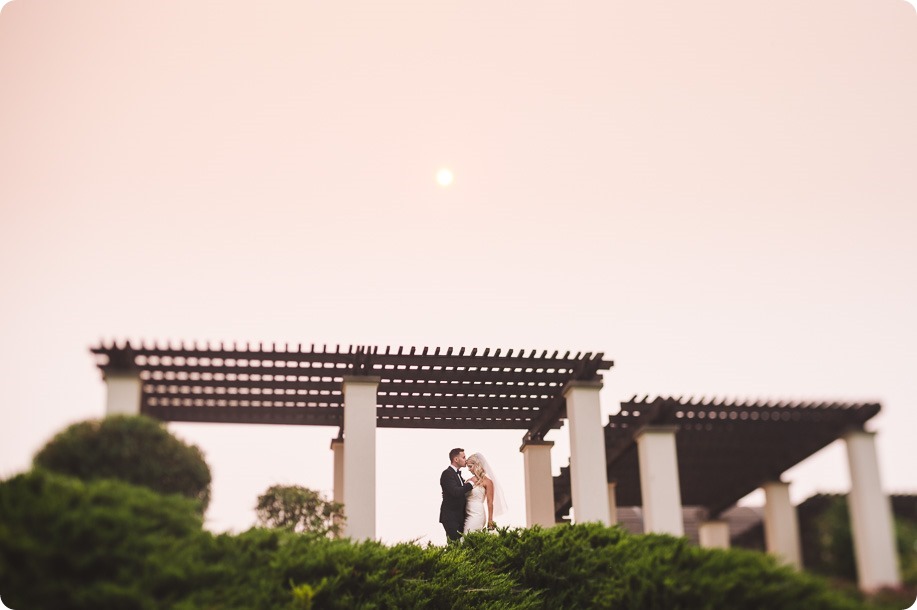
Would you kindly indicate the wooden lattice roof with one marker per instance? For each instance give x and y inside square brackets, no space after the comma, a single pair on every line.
[419,387]
[725,450]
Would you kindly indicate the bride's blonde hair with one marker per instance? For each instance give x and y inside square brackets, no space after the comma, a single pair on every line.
[474,465]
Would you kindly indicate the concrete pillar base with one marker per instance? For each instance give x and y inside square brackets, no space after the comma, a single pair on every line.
[871,520]
[360,457]
[714,534]
[612,504]
[123,393]
[337,449]
[781,527]
[539,484]
[588,474]
[659,482]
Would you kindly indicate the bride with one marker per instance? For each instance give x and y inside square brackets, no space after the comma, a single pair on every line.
[486,492]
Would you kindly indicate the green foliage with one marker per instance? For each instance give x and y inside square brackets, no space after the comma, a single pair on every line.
[590,566]
[280,569]
[834,555]
[106,544]
[299,509]
[302,596]
[65,543]
[138,450]
[907,550]
[836,558]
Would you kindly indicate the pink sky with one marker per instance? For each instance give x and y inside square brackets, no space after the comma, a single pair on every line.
[719,195]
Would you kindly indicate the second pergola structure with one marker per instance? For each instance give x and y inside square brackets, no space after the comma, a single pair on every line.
[665,454]
[362,388]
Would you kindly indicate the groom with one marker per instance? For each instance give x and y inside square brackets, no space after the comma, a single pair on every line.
[452,510]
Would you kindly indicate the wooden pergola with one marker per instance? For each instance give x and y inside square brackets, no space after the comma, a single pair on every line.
[722,451]
[455,388]
[666,454]
[725,450]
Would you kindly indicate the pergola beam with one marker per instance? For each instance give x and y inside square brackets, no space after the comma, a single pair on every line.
[418,387]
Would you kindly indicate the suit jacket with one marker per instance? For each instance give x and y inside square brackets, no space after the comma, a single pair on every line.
[453,505]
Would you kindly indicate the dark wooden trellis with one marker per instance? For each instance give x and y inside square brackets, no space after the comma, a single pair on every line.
[453,388]
[725,450]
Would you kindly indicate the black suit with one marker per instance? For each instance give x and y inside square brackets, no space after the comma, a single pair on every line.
[452,510]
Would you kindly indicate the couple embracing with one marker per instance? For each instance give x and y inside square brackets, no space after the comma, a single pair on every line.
[469,505]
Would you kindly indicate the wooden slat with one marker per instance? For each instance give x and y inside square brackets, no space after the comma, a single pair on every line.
[347,358]
[180,393]
[223,384]
[246,415]
[534,405]
[211,369]
[556,380]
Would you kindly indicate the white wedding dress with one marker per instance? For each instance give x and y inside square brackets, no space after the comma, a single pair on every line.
[475,513]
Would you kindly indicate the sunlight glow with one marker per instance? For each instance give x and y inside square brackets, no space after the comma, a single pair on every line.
[444,177]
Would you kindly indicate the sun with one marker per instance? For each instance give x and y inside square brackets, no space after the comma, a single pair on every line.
[444,177]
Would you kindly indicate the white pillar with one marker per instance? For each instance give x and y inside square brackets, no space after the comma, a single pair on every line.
[870,516]
[360,458]
[781,527]
[337,449]
[539,484]
[714,534]
[337,494]
[588,469]
[123,391]
[659,482]
[612,503]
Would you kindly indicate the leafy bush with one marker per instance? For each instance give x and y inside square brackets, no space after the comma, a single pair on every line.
[591,566]
[273,569]
[67,544]
[138,450]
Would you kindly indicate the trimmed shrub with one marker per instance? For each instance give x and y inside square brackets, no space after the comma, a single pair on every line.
[138,450]
[272,569]
[592,566]
[65,543]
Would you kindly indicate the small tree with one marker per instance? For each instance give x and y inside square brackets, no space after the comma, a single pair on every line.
[138,450]
[299,509]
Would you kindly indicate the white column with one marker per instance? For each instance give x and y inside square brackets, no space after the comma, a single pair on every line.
[870,516]
[337,494]
[588,469]
[337,449]
[612,503]
[659,482]
[123,391]
[360,457]
[781,527]
[539,484]
[714,534]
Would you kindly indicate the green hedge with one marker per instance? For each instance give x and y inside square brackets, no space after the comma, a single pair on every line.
[135,449]
[66,544]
